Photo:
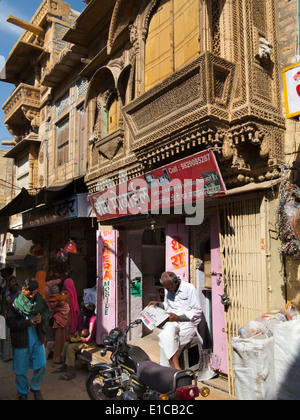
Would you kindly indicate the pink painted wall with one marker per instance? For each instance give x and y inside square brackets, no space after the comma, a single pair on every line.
[218,313]
[112,282]
[177,250]
[122,281]
[106,284]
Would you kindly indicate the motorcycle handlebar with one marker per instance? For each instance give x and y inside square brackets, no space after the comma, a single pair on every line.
[132,324]
[121,340]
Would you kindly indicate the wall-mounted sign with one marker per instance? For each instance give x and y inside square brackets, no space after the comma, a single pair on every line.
[106,285]
[184,181]
[291,87]
[68,208]
[177,250]
[111,283]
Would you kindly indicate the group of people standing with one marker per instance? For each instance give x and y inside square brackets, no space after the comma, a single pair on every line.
[44,319]
[9,290]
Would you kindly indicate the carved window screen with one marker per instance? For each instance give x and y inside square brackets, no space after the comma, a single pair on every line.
[110,115]
[172,40]
[62,142]
[186,32]
[82,139]
[22,173]
[158,48]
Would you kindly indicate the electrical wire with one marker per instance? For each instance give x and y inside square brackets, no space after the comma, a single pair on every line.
[10,185]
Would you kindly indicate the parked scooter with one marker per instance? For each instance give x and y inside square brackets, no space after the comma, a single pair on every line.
[131,375]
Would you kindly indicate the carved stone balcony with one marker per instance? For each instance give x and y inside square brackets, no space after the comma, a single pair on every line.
[200,90]
[199,107]
[22,107]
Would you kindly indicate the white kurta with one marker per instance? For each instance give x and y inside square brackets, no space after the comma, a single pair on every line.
[175,335]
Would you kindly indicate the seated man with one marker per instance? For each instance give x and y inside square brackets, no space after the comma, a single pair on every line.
[183,305]
[82,339]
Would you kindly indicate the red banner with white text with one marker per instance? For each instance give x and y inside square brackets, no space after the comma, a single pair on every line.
[187,180]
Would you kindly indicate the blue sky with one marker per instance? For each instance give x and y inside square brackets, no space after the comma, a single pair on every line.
[9,35]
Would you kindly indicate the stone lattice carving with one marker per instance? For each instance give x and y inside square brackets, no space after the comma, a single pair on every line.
[225,99]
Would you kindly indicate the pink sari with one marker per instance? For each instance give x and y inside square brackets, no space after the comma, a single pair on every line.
[76,320]
[61,312]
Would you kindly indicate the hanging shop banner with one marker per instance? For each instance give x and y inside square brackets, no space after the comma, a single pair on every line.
[191,179]
[291,88]
[106,284]
[177,250]
[111,284]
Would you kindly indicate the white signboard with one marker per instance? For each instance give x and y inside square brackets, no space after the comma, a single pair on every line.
[291,86]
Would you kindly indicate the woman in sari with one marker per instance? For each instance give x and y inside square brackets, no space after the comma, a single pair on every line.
[60,314]
[8,280]
[76,320]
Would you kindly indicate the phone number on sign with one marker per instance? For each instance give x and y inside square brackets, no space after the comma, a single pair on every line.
[195,162]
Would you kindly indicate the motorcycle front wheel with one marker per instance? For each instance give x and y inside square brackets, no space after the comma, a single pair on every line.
[99,384]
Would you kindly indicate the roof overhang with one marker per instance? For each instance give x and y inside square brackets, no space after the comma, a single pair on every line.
[25,201]
[21,147]
[20,61]
[93,17]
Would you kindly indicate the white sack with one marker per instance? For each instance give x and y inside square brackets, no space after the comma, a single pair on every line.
[253,362]
[287,360]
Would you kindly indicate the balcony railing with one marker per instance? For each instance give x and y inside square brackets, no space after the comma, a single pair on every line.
[201,90]
[25,98]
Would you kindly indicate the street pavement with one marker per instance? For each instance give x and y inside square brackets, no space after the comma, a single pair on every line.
[52,388]
[58,390]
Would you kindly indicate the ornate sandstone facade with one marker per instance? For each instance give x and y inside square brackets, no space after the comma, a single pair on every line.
[166,80]
[145,83]
[31,110]
[170,78]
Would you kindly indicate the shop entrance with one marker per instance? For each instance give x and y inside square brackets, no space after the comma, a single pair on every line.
[243,249]
[150,253]
[209,282]
[153,265]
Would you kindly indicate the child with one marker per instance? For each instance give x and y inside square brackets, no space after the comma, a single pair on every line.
[12,292]
[55,296]
[78,337]
[70,349]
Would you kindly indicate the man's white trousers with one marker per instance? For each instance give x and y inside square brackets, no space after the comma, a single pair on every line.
[174,337]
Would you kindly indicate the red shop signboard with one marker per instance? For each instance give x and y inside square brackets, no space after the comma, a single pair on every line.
[185,181]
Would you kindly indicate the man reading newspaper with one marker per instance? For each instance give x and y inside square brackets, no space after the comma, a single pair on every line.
[183,306]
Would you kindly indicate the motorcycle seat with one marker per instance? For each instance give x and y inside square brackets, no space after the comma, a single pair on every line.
[161,378]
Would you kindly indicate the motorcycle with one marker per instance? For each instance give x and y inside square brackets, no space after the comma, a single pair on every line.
[132,375]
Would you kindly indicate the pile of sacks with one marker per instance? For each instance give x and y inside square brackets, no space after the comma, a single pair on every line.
[263,326]
[266,357]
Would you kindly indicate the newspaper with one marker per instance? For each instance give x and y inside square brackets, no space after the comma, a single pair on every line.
[153,316]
